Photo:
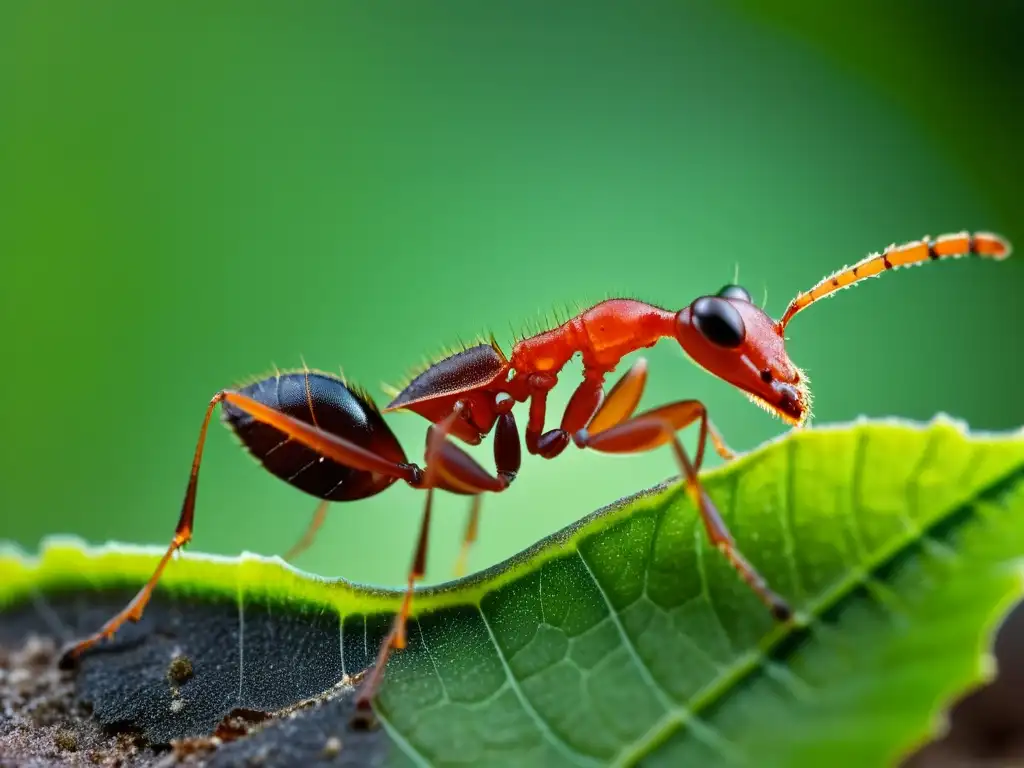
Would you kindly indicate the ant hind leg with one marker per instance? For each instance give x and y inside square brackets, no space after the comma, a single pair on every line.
[182,535]
[469,537]
[328,445]
[309,536]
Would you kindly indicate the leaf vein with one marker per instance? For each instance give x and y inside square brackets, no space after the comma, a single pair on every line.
[544,727]
[787,518]
[241,641]
[404,744]
[430,655]
[700,545]
[664,698]
[853,510]
[659,518]
[341,643]
[702,730]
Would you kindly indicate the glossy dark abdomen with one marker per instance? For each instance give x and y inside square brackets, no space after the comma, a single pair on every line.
[338,410]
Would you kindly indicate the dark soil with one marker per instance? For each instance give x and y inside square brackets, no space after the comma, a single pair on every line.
[42,723]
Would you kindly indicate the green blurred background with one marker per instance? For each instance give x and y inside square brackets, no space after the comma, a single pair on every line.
[192,192]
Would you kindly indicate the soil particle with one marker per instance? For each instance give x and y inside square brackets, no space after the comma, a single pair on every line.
[179,670]
[42,725]
[332,747]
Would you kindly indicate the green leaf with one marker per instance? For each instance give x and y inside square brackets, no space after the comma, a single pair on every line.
[622,638]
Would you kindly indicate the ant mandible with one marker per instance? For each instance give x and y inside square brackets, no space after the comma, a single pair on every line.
[327,437]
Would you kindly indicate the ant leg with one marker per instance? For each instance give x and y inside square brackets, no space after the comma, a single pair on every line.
[182,535]
[624,397]
[507,460]
[723,450]
[452,469]
[622,400]
[589,398]
[328,445]
[657,427]
[470,536]
[436,437]
[584,401]
[536,442]
[396,637]
[307,538]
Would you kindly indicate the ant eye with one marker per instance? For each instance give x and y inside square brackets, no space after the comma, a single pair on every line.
[734,292]
[718,321]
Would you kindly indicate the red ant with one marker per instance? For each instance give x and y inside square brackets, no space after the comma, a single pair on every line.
[328,438]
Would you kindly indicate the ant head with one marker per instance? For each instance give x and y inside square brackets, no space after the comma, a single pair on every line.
[734,339]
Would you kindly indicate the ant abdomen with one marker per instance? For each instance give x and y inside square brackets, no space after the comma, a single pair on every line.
[326,402]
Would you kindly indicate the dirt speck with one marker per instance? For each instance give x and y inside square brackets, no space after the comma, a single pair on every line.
[240,722]
[66,740]
[363,720]
[183,749]
[237,724]
[179,670]
[43,725]
[332,747]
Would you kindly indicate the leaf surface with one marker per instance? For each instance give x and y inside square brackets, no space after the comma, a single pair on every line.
[622,639]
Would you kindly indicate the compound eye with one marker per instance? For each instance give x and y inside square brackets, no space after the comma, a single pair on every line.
[718,321]
[734,292]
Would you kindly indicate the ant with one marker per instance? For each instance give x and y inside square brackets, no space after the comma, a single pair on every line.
[327,437]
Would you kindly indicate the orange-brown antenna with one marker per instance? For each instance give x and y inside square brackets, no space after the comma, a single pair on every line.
[984,244]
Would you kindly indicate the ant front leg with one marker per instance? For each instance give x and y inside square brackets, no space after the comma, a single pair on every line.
[582,405]
[615,430]
[450,468]
[588,402]
[623,400]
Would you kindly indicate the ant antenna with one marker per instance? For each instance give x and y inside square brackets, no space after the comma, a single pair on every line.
[764,301]
[983,244]
[736,274]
